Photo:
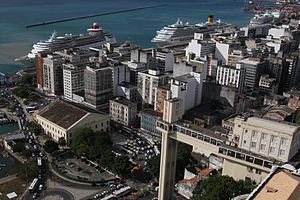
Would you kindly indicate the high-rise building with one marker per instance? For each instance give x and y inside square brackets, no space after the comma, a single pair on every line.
[53,74]
[230,76]
[254,68]
[162,93]
[148,81]
[200,47]
[188,88]
[98,85]
[73,71]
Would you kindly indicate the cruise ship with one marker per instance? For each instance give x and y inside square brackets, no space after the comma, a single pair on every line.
[262,19]
[93,38]
[181,33]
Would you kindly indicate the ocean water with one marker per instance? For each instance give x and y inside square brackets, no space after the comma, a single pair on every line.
[8,128]
[137,26]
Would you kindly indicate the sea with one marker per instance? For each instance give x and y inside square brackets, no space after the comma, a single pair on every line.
[137,26]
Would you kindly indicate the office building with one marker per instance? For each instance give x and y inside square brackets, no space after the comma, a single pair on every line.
[188,88]
[162,93]
[148,81]
[122,111]
[230,76]
[98,86]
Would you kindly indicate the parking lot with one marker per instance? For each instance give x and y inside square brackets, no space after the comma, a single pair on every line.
[80,168]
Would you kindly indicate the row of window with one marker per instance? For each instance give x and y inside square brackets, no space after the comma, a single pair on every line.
[245,157]
[199,136]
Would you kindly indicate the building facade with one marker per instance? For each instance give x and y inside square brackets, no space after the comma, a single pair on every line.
[122,111]
[149,118]
[98,85]
[147,84]
[61,119]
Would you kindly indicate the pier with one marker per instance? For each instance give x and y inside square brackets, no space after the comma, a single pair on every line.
[94,15]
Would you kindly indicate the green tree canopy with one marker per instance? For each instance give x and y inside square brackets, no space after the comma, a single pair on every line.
[27,78]
[50,146]
[35,127]
[18,147]
[28,171]
[221,188]
[154,166]
[62,141]
[122,166]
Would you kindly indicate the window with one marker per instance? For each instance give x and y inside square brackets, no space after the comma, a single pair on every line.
[281,153]
[253,144]
[272,150]
[254,134]
[284,141]
[264,136]
[262,147]
[273,138]
[96,126]
[258,171]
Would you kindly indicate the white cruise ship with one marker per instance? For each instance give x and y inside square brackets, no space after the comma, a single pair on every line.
[93,38]
[262,19]
[180,33]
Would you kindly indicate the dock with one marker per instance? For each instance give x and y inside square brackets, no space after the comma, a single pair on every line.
[94,15]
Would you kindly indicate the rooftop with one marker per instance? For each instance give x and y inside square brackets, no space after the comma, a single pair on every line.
[123,102]
[184,78]
[281,184]
[65,114]
[152,112]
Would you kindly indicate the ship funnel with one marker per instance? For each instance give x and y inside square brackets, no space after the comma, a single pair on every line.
[210,19]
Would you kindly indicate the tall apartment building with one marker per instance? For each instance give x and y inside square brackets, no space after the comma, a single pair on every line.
[120,74]
[290,72]
[134,69]
[268,84]
[199,46]
[162,93]
[165,59]
[230,76]
[98,85]
[148,81]
[188,88]
[254,68]
[53,74]
[73,71]
[122,111]
[224,49]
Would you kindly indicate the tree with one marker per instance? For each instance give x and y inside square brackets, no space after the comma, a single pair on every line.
[18,147]
[21,91]
[28,171]
[35,127]
[154,166]
[219,188]
[62,141]
[26,153]
[50,146]
[183,159]
[27,78]
[122,166]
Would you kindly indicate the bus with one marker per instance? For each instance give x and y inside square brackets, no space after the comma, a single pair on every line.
[33,185]
[109,197]
[121,192]
[39,161]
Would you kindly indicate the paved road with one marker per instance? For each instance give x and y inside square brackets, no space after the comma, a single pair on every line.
[53,194]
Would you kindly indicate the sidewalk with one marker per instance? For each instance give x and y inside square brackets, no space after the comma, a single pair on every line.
[8,178]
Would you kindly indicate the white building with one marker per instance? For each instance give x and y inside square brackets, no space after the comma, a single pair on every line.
[200,47]
[275,139]
[148,82]
[188,88]
[122,111]
[230,76]
[63,119]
